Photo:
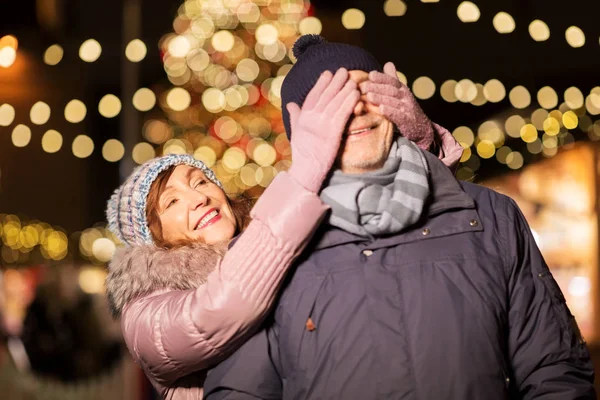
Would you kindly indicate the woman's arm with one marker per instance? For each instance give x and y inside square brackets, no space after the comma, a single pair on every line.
[172,334]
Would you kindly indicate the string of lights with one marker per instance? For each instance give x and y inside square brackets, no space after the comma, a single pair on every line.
[227,60]
[27,240]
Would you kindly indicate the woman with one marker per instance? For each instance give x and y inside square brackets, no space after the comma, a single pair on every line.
[185,302]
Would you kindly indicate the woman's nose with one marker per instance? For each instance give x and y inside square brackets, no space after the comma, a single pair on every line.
[197,199]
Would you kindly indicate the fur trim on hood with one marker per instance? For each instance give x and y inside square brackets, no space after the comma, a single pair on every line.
[140,270]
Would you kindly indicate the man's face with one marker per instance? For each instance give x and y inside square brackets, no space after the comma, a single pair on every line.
[368,138]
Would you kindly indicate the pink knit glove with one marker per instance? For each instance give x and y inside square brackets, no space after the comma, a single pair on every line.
[397,103]
[317,128]
[450,151]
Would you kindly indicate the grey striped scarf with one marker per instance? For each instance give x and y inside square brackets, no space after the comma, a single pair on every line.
[381,202]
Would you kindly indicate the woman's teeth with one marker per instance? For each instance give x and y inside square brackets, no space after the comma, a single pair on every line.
[207,219]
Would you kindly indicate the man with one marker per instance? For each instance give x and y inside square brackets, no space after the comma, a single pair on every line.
[419,287]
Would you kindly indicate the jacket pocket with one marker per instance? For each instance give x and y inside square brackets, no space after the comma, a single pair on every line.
[564,315]
[292,319]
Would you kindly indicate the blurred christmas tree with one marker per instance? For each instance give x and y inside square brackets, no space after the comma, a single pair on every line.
[227,60]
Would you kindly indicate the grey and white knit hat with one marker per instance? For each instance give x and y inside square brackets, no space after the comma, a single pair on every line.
[126,209]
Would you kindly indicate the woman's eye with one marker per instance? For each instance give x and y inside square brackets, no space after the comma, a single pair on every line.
[200,183]
[172,202]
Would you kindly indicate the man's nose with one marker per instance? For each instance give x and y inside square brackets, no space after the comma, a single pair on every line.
[360,108]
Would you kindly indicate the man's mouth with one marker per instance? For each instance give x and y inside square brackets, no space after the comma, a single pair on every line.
[362,130]
[209,218]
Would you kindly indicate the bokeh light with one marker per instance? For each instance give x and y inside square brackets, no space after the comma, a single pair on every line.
[103,249]
[83,146]
[223,41]
[247,70]
[513,125]
[75,111]
[394,8]
[479,99]
[547,97]
[213,100]
[468,12]
[175,146]
[53,54]
[109,106]
[492,132]
[144,99]
[423,87]
[8,50]
[402,77]
[535,147]
[447,91]
[248,13]
[556,114]
[157,131]
[551,126]
[310,25]
[7,114]
[136,50]
[90,50]
[528,133]
[40,113]
[266,34]
[178,99]
[91,280]
[538,117]
[52,141]
[265,175]
[464,135]
[514,160]
[575,36]
[234,159]
[8,55]
[503,22]
[570,120]
[466,155]
[592,103]
[465,90]
[502,153]
[539,31]
[143,152]
[353,18]
[574,98]
[113,150]
[486,149]
[519,97]
[264,154]
[207,155]
[494,91]
[179,46]
[198,60]
[21,135]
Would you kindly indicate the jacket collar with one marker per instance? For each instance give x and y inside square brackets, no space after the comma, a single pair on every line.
[450,211]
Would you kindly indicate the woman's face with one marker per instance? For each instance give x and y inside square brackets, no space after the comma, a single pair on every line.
[193,208]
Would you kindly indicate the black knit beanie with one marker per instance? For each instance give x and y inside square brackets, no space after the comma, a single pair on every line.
[314,56]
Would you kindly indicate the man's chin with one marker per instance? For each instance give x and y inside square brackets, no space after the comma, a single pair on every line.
[359,164]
